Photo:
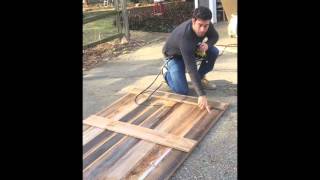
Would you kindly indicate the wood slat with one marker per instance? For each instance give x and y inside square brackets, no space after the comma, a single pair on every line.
[85,127]
[116,104]
[150,135]
[90,134]
[101,16]
[179,98]
[109,38]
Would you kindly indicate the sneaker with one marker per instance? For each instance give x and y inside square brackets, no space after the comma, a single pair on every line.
[207,85]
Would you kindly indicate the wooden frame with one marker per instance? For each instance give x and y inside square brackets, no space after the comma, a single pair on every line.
[111,155]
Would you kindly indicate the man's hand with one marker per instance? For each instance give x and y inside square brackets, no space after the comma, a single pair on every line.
[203,103]
[203,47]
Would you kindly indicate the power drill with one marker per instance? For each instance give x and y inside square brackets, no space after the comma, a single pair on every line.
[200,53]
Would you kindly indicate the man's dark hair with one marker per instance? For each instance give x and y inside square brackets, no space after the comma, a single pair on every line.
[203,13]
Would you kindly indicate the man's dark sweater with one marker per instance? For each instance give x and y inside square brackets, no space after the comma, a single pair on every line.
[183,42]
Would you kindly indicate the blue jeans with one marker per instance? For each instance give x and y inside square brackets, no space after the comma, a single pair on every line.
[176,77]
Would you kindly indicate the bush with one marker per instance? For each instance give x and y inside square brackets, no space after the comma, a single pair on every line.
[175,13]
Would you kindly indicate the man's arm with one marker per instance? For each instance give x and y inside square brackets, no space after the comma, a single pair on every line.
[188,55]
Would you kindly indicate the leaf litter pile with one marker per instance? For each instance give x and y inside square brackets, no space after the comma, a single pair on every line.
[107,51]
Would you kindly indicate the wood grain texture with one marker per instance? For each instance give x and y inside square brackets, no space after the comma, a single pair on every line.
[150,135]
[136,117]
[136,154]
[159,152]
[110,156]
[171,162]
[117,156]
[117,111]
[180,98]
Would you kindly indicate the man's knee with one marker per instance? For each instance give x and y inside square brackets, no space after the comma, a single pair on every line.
[213,51]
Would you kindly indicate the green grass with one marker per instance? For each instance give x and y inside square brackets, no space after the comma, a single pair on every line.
[98,30]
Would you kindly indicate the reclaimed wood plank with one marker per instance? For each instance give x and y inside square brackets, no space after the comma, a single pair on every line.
[179,98]
[158,137]
[90,134]
[84,127]
[116,104]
